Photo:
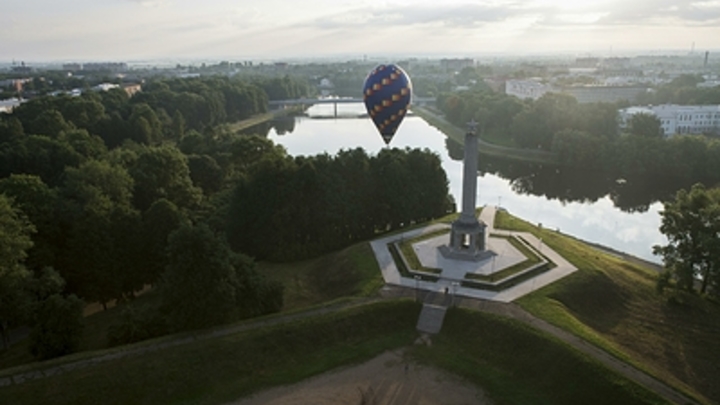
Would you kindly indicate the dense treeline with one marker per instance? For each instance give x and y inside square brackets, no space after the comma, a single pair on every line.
[587,136]
[292,208]
[529,124]
[682,90]
[106,195]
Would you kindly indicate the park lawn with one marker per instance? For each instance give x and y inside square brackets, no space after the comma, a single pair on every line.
[218,370]
[614,304]
[516,364]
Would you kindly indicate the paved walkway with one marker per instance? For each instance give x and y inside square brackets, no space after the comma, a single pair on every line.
[392,275]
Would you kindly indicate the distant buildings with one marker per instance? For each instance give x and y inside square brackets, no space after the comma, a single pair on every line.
[584,94]
[456,65]
[679,119]
[604,94]
[96,67]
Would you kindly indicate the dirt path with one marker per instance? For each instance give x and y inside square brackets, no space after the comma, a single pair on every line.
[383,380]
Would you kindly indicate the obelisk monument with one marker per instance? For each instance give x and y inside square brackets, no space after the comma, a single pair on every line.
[467,236]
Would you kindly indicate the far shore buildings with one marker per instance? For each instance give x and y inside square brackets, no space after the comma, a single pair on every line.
[679,119]
[535,89]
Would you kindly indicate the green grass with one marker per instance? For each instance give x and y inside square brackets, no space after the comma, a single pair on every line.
[223,369]
[352,272]
[518,365]
[403,270]
[613,304]
[409,253]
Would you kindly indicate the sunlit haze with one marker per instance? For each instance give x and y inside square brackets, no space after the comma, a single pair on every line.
[136,29]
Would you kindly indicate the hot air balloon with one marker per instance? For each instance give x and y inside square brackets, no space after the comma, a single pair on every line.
[387,93]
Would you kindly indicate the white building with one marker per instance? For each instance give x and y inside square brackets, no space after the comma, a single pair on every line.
[8,105]
[105,87]
[679,119]
[523,89]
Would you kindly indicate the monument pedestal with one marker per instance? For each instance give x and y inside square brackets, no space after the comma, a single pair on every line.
[467,242]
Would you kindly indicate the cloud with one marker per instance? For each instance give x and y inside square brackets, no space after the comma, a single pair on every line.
[149,3]
[465,15]
[660,11]
[473,15]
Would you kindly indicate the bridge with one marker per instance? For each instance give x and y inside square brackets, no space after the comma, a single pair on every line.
[336,101]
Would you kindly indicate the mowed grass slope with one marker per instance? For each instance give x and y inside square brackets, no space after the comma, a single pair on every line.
[223,369]
[516,364]
[351,272]
[614,304]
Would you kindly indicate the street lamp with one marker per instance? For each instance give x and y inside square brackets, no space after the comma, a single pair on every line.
[455,285]
[417,287]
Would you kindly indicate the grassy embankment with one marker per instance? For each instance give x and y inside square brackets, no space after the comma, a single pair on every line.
[217,370]
[351,272]
[486,145]
[512,362]
[516,364]
[613,304]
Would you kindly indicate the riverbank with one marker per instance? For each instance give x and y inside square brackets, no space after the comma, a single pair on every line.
[485,148]
[258,119]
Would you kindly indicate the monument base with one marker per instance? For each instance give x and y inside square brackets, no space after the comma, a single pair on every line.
[467,242]
[466,255]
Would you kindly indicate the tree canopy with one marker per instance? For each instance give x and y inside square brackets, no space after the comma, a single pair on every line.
[692,225]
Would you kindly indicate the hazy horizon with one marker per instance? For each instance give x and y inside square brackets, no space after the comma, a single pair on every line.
[136,30]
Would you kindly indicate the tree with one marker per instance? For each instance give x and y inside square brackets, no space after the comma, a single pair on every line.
[159,221]
[58,327]
[102,228]
[199,285]
[692,224]
[15,240]
[205,173]
[40,203]
[162,172]
[646,125]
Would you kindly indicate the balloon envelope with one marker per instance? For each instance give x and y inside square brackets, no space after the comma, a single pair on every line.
[387,94]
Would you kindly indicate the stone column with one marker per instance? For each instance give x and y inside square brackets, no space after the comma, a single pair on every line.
[467,234]
[470,163]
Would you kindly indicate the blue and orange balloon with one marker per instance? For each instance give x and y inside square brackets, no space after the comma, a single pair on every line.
[387,94]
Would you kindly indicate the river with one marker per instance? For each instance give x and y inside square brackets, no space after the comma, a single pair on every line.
[588,215]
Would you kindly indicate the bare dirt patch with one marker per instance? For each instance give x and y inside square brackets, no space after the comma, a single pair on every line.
[386,379]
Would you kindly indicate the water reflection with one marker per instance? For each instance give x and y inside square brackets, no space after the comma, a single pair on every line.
[629,192]
[585,204]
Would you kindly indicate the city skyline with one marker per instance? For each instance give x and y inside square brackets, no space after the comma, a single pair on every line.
[153,29]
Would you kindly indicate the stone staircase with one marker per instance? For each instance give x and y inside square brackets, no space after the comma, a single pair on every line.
[433,312]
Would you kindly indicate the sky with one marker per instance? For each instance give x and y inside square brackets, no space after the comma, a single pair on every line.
[122,30]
